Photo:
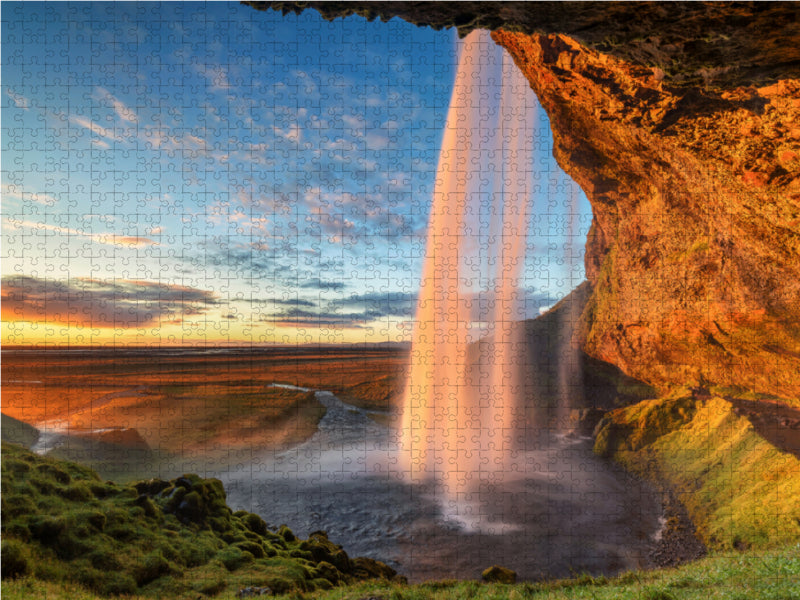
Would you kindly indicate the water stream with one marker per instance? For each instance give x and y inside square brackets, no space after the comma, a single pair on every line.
[566,510]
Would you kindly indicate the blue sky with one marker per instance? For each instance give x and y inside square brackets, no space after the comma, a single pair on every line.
[184,173]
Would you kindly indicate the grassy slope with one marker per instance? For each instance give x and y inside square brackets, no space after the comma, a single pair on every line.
[773,575]
[62,524]
[739,489]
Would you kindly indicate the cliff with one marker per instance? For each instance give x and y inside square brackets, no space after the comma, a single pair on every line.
[694,252]
[681,122]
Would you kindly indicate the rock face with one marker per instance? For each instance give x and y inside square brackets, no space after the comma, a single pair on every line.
[681,122]
[724,43]
[694,252]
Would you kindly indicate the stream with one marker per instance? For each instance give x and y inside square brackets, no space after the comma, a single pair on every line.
[562,512]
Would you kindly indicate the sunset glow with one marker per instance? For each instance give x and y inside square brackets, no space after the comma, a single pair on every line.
[163,187]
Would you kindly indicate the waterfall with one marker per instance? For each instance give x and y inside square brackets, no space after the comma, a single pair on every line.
[464,406]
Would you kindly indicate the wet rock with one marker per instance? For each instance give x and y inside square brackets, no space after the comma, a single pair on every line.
[584,420]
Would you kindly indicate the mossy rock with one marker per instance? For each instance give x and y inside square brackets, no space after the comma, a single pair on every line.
[326,570]
[257,550]
[286,534]
[369,568]
[152,567]
[52,471]
[304,554]
[321,584]
[15,559]
[47,529]
[15,505]
[498,574]
[148,506]
[151,487]
[234,558]
[254,523]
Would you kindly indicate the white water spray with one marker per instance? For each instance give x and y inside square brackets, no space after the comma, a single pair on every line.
[465,402]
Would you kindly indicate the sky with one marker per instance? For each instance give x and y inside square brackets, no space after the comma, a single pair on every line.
[195,174]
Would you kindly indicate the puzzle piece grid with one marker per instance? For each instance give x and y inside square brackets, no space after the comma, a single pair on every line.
[184,175]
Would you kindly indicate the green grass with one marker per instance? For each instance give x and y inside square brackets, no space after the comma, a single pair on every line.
[61,524]
[771,575]
[739,489]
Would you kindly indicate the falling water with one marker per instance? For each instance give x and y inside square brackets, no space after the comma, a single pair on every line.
[465,402]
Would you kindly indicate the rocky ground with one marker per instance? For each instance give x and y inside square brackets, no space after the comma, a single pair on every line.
[679,543]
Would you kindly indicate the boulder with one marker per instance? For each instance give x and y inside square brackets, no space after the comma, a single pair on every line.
[498,574]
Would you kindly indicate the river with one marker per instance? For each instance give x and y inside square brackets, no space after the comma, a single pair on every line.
[563,511]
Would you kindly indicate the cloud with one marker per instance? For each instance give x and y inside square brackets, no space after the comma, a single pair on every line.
[318,284]
[95,128]
[11,192]
[380,304]
[295,317]
[110,239]
[215,75]
[100,303]
[291,133]
[19,100]
[124,112]
[353,312]
[279,301]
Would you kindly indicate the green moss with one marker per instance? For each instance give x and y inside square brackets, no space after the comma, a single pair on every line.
[739,489]
[15,559]
[162,539]
[286,533]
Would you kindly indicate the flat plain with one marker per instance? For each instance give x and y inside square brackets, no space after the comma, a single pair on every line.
[184,401]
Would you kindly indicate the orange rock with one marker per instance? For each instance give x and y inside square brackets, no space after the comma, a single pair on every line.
[755,178]
[681,164]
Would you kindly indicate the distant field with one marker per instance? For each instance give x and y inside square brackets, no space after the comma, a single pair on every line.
[193,401]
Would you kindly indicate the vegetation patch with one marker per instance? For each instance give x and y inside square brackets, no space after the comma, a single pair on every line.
[740,490]
[64,527]
[772,575]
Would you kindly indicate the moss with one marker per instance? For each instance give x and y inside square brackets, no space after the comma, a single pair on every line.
[122,539]
[54,472]
[254,523]
[257,550]
[153,567]
[79,492]
[286,533]
[234,558]
[15,559]
[47,529]
[18,504]
[740,490]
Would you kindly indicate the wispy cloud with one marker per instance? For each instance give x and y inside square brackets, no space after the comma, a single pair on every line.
[318,284]
[96,129]
[124,112]
[110,239]
[11,192]
[278,301]
[100,303]
[379,304]
[19,100]
[296,317]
